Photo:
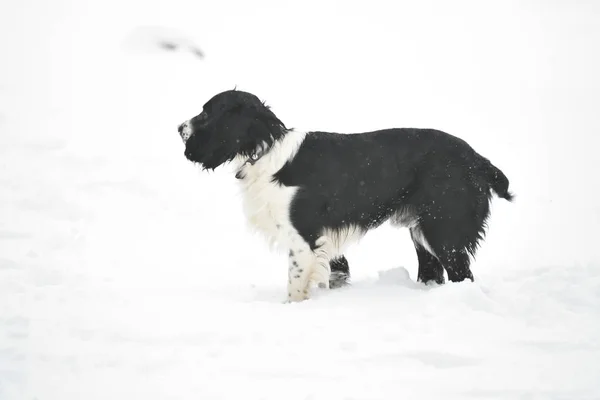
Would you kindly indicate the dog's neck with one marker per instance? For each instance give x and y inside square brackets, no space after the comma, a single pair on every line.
[266,161]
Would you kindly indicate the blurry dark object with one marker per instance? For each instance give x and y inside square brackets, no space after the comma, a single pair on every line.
[197,52]
[150,39]
[168,46]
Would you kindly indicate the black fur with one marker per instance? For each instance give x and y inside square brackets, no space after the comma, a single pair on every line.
[428,180]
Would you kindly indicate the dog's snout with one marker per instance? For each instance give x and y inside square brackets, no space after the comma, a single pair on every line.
[185,131]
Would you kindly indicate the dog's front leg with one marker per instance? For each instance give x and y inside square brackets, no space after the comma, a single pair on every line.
[300,266]
[306,266]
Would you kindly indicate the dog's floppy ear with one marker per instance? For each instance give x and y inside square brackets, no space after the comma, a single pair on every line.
[264,129]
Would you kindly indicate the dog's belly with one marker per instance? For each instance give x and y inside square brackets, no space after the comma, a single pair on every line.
[340,239]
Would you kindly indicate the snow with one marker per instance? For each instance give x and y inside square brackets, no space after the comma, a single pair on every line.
[125,272]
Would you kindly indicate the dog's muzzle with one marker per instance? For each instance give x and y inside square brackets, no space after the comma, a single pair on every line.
[185,131]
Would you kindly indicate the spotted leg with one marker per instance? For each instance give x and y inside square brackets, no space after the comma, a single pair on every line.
[307,266]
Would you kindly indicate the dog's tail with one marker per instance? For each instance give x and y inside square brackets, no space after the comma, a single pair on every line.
[498,181]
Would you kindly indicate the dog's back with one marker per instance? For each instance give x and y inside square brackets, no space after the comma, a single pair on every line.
[330,162]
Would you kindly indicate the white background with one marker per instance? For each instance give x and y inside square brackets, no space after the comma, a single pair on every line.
[126,272]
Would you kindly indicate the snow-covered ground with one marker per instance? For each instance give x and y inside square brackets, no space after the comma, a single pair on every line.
[127,273]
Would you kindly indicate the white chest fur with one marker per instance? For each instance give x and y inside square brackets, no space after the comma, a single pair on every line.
[267,204]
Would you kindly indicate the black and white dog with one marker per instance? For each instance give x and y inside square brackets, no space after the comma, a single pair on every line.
[315,193]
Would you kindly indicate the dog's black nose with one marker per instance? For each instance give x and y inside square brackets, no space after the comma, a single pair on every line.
[180,129]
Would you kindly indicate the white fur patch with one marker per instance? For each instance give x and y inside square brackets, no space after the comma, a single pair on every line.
[418,237]
[186,131]
[406,218]
[409,219]
[340,239]
[266,204]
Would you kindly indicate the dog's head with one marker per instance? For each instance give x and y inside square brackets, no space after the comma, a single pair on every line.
[232,123]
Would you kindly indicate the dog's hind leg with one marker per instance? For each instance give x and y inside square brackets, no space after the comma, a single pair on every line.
[340,272]
[430,269]
[457,262]
[446,246]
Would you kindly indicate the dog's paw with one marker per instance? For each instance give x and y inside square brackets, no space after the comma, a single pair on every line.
[338,279]
[296,296]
